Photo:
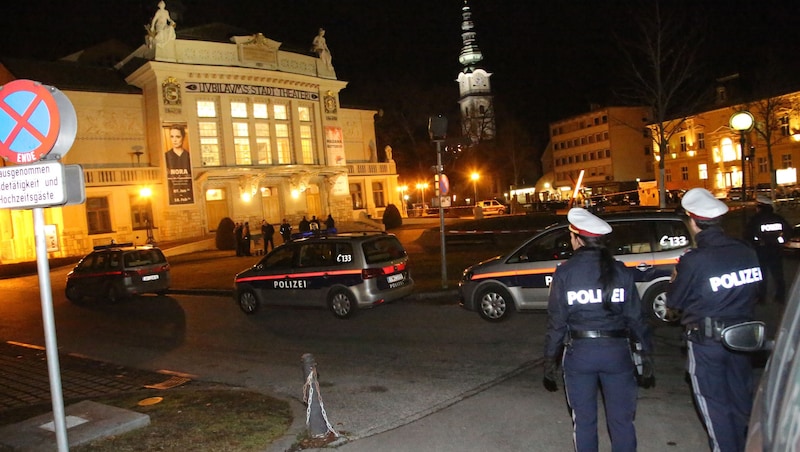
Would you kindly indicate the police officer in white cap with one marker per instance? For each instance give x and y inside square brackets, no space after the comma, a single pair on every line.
[767,232]
[593,310]
[716,285]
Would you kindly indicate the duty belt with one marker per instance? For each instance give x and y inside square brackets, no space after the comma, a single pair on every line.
[596,334]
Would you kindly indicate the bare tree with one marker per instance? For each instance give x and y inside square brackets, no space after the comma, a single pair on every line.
[662,58]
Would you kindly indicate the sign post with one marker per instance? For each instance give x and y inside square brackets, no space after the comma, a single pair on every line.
[437,129]
[38,123]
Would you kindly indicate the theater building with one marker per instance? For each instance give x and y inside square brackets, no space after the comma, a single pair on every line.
[188,130]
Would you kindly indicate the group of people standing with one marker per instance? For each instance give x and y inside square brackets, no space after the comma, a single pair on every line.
[591,342]
[242,234]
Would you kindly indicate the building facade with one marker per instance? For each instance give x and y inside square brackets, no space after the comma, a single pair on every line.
[202,130]
[610,146]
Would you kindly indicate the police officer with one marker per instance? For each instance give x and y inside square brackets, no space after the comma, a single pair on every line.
[767,232]
[593,309]
[714,286]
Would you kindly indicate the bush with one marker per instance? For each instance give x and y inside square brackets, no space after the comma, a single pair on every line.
[391,217]
[225,239]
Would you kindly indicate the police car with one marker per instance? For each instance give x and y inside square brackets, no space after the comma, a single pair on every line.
[343,272]
[119,271]
[649,243]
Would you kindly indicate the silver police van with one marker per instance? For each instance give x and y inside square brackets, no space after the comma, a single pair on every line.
[649,243]
[343,272]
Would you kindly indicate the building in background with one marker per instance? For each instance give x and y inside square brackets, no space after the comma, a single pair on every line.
[264,135]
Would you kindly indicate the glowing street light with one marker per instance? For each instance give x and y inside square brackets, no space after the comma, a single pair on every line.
[475,177]
[422,187]
[742,121]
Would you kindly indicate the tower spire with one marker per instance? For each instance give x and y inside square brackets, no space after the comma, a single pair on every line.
[470,54]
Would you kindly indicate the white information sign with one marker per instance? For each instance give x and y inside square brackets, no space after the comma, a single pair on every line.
[36,185]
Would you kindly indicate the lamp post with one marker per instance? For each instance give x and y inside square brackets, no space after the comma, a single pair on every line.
[421,187]
[742,121]
[437,130]
[475,177]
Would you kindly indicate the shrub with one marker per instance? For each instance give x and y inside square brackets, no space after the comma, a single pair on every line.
[225,239]
[391,217]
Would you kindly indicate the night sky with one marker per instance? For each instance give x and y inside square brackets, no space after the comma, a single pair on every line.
[549,59]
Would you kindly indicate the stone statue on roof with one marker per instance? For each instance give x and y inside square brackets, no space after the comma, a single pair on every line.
[320,47]
[162,27]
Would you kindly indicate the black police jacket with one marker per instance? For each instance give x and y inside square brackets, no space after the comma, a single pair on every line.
[718,279]
[768,229]
[575,302]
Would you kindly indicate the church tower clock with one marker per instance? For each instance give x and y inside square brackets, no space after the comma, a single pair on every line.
[475,93]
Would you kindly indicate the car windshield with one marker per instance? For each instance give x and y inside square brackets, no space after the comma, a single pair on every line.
[382,249]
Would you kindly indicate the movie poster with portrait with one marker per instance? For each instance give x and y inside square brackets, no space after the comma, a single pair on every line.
[178,163]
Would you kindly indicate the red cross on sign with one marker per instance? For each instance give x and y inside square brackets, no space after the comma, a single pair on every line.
[29,121]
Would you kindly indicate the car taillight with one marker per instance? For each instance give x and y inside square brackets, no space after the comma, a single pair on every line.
[368,273]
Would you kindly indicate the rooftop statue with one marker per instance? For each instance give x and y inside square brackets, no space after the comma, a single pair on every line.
[162,27]
[320,46]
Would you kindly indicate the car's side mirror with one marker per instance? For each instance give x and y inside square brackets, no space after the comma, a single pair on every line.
[745,337]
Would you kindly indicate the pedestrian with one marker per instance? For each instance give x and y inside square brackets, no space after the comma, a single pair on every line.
[237,237]
[714,286]
[329,223]
[767,231]
[593,311]
[314,223]
[246,239]
[286,231]
[267,231]
[304,225]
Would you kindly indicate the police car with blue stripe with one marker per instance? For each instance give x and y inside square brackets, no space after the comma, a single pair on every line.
[344,272]
[649,243]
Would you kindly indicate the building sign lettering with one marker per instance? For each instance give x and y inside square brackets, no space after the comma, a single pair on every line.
[234,88]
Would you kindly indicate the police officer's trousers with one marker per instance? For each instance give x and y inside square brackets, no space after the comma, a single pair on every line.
[607,362]
[722,382]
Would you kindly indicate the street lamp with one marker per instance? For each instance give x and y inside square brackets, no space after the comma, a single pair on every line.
[475,177]
[742,121]
[422,187]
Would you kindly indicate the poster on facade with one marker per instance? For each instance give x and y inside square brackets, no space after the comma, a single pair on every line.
[334,146]
[178,162]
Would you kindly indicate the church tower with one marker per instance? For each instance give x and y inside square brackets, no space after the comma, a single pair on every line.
[475,93]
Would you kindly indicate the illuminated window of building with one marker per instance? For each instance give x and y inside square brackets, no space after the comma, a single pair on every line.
[786,160]
[241,143]
[141,212]
[209,143]
[784,120]
[215,194]
[762,164]
[307,144]
[280,112]
[701,140]
[263,144]
[356,196]
[206,109]
[684,173]
[377,194]
[703,171]
[98,215]
[238,110]
[283,143]
[304,114]
[729,152]
[684,145]
[260,110]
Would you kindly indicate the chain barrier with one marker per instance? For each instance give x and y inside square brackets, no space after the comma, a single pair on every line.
[309,389]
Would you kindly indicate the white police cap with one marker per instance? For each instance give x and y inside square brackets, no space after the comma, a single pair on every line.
[701,204]
[761,199]
[582,222]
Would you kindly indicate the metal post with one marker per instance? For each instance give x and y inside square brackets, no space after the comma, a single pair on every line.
[441,212]
[51,346]
[743,143]
[315,420]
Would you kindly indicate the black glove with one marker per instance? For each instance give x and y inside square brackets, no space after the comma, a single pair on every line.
[648,377]
[550,369]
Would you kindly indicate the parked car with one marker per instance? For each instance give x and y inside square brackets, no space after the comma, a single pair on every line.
[343,272]
[792,246]
[119,271]
[649,242]
[491,207]
[775,416]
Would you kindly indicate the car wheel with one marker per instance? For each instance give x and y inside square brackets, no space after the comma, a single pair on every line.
[495,304]
[655,303]
[342,304]
[73,294]
[501,212]
[248,302]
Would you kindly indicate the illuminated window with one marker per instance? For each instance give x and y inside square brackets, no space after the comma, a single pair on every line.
[307,144]
[263,145]
[283,143]
[703,171]
[98,215]
[260,110]
[784,120]
[304,114]
[280,112]
[206,109]
[356,196]
[701,140]
[241,143]
[684,145]
[209,143]
[141,212]
[377,194]
[238,110]
[729,152]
